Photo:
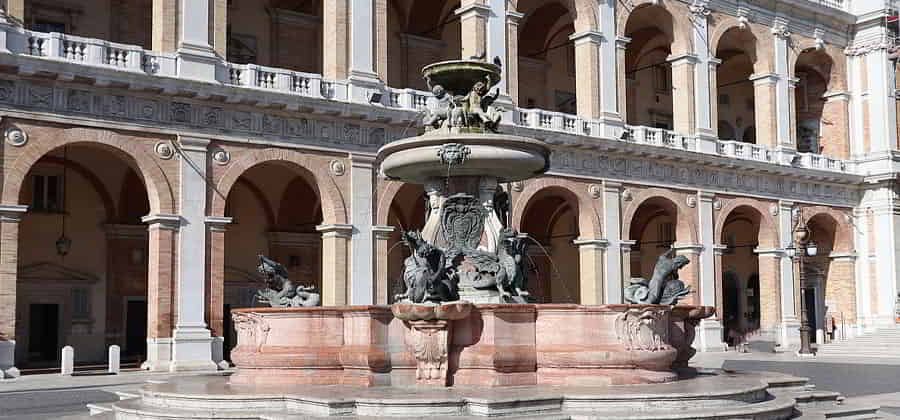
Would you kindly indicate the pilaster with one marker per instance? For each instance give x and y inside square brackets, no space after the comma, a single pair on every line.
[587,73]
[513,19]
[783,115]
[473,20]
[192,342]
[382,236]
[162,234]
[362,282]
[789,334]
[335,37]
[611,114]
[335,258]
[196,58]
[216,227]
[10,216]
[612,218]
[703,88]
[881,100]
[683,93]
[764,93]
[710,331]
[706,220]
[364,81]
[590,252]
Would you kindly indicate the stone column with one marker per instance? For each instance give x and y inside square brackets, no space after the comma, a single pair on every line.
[709,333]
[770,299]
[362,76]
[473,21]
[789,337]
[162,235]
[862,237]
[712,69]
[627,255]
[219,27]
[612,219]
[841,289]
[196,58]
[335,257]
[10,216]
[216,286]
[886,229]
[836,137]
[783,115]
[690,275]
[382,34]
[765,109]
[611,115]
[382,235]
[165,25]
[683,93]
[590,252]
[881,100]
[587,72]
[513,18]
[191,340]
[362,282]
[495,39]
[335,36]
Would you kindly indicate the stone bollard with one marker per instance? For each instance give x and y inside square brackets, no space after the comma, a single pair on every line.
[68,360]
[114,359]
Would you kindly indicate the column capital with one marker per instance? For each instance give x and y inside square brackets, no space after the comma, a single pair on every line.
[686,58]
[474,9]
[382,232]
[836,96]
[514,17]
[587,36]
[688,248]
[218,223]
[163,221]
[336,230]
[706,196]
[622,42]
[627,245]
[843,256]
[719,249]
[361,160]
[612,186]
[591,243]
[12,213]
[764,78]
[769,252]
[193,144]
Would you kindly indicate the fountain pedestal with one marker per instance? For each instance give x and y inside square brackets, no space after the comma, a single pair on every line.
[428,337]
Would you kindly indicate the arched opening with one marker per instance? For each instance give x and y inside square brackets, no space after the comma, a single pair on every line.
[421,32]
[740,275]
[407,212]
[654,230]
[551,219]
[83,250]
[812,71]
[276,33]
[546,57]
[648,73]
[275,210]
[736,102]
[823,284]
[121,21]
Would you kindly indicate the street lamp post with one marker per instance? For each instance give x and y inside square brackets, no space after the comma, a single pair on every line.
[801,248]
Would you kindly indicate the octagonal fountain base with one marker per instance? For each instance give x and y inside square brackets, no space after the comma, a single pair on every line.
[489,345]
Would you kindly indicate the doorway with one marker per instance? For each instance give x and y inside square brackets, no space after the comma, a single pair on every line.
[136,329]
[809,295]
[43,343]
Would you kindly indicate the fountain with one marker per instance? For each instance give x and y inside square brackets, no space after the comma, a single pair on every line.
[464,338]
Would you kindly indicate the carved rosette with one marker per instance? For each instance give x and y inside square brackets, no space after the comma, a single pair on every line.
[643,329]
[429,342]
[253,326]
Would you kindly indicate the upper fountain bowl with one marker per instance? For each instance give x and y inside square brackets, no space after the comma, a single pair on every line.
[458,76]
[505,157]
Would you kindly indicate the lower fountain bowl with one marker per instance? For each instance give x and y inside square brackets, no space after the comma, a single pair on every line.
[505,157]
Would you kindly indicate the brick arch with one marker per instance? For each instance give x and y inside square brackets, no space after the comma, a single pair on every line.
[316,171]
[109,206]
[686,227]
[385,199]
[768,231]
[583,12]
[131,150]
[843,235]
[761,54]
[574,192]
[837,81]
[682,29]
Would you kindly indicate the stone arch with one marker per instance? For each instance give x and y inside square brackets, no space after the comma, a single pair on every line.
[843,235]
[385,199]
[132,150]
[584,13]
[682,42]
[686,227]
[576,193]
[334,210]
[768,231]
[837,64]
[109,205]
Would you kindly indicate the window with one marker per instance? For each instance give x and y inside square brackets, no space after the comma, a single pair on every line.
[666,234]
[81,303]
[46,193]
[662,79]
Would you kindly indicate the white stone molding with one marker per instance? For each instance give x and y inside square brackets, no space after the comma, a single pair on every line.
[12,213]
[163,221]
[218,223]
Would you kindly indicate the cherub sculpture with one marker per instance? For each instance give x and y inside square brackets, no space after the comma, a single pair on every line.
[478,109]
[437,115]
[664,288]
[280,291]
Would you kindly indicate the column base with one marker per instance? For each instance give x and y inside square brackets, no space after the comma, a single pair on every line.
[197,62]
[363,85]
[709,336]
[8,360]
[192,349]
[159,354]
[218,352]
[789,335]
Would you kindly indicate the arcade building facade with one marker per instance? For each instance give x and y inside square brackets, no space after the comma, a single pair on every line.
[153,148]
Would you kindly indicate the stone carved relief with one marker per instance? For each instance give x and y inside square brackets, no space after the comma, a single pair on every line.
[518,186]
[453,153]
[429,343]
[337,167]
[691,201]
[643,329]
[14,136]
[253,326]
[595,190]
[7,91]
[180,112]
[164,150]
[718,204]
[40,96]
[221,157]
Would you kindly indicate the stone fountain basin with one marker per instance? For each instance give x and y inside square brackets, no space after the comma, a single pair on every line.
[458,76]
[493,345]
[505,157]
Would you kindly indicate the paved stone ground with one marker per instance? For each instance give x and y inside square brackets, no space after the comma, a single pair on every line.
[869,382]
